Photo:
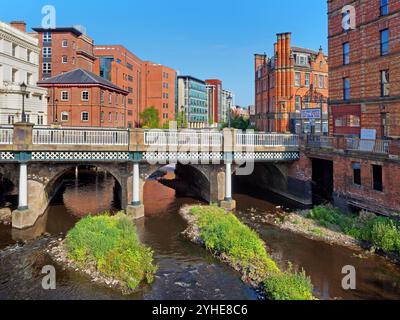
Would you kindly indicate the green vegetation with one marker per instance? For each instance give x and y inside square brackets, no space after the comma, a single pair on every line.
[150,118]
[223,233]
[112,245]
[381,232]
[239,122]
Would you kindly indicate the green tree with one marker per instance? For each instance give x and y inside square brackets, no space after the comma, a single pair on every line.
[241,123]
[181,120]
[150,118]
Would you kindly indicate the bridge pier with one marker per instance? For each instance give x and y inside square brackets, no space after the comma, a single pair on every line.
[23,217]
[136,209]
[228,203]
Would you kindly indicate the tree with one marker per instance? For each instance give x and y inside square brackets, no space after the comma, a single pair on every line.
[239,122]
[150,118]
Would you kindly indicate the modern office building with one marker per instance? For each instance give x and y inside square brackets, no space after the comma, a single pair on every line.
[120,66]
[193,101]
[291,89]
[64,50]
[158,90]
[19,64]
[80,98]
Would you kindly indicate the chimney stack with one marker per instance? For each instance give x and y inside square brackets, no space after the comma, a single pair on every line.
[20,25]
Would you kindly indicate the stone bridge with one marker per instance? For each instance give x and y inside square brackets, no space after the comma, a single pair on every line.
[35,159]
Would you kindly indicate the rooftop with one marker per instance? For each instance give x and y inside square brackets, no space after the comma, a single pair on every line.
[80,76]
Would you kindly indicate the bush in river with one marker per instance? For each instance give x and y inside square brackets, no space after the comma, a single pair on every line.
[381,232]
[111,243]
[223,233]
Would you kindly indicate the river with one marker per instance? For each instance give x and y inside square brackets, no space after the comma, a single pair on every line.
[186,271]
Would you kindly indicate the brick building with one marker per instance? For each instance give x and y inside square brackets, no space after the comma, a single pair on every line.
[120,66]
[63,50]
[80,98]
[365,67]
[159,90]
[292,80]
[214,91]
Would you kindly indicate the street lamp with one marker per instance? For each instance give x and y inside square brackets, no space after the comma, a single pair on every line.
[182,115]
[23,91]
[229,99]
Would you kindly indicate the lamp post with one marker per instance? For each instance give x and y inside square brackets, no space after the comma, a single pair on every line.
[229,99]
[182,115]
[23,91]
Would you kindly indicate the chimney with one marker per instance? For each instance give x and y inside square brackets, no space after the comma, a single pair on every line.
[20,25]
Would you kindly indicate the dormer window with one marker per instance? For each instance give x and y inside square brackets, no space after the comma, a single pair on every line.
[301,60]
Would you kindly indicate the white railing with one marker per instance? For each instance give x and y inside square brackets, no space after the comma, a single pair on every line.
[6,135]
[183,138]
[320,142]
[364,145]
[81,137]
[267,140]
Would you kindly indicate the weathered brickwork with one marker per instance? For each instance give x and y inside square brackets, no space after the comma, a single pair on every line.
[366,106]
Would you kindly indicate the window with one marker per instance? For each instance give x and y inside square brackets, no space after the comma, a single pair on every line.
[11,119]
[357,174]
[307,80]
[64,116]
[40,120]
[109,117]
[351,121]
[346,18]
[110,98]
[346,53]
[346,89]
[46,67]
[321,82]
[297,79]
[101,96]
[129,66]
[85,116]
[298,103]
[27,117]
[377,178]
[85,95]
[47,36]
[29,78]
[64,96]
[384,42]
[46,52]
[102,116]
[29,55]
[385,83]
[14,50]
[64,59]
[116,99]
[14,75]
[384,7]
[65,43]
[130,101]
[116,117]
[130,112]
[301,60]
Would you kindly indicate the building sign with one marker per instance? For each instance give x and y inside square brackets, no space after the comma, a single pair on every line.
[311,114]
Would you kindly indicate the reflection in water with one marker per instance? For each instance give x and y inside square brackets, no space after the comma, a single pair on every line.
[186,271]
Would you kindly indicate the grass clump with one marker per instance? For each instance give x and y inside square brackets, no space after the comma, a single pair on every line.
[222,232]
[381,232]
[111,244]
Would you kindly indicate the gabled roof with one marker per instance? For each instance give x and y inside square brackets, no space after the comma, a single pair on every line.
[81,76]
[304,50]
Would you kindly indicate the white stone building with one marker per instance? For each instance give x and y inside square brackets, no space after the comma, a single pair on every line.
[19,63]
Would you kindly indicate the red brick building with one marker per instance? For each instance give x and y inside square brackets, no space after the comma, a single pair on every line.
[365,67]
[159,90]
[292,80]
[63,50]
[214,87]
[120,66]
[80,98]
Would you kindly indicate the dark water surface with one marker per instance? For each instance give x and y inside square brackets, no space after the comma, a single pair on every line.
[186,271]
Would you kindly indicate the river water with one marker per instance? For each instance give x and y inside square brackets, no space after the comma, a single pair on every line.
[186,271]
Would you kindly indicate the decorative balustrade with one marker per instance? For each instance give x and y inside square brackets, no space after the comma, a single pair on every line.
[363,145]
[183,138]
[6,135]
[80,137]
[267,140]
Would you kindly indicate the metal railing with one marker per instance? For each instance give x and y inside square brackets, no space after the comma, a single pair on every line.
[6,135]
[183,138]
[374,146]
[320,142]
[80,137]
[267,140]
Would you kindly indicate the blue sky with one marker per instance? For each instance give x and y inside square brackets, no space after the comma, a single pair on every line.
[203,38]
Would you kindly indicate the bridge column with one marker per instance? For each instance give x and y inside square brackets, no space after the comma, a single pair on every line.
[23,217]
[228,202]
[136,209]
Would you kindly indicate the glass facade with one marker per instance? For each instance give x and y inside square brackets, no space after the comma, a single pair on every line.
[105,67]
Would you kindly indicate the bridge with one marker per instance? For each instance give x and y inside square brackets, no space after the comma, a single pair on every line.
[36,157]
